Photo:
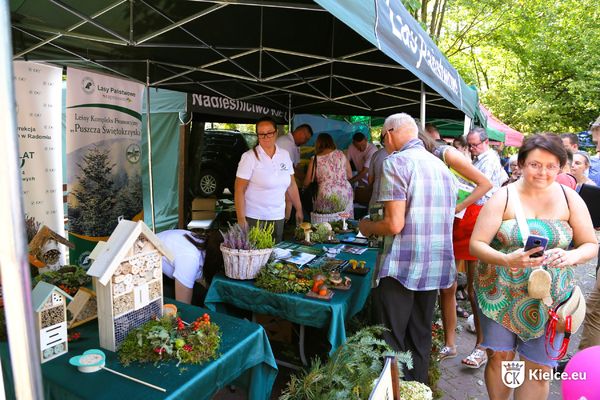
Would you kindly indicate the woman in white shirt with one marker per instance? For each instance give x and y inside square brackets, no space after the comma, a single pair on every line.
[197,259]
[265,173]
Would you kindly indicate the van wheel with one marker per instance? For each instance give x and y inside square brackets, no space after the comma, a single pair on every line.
[209,184]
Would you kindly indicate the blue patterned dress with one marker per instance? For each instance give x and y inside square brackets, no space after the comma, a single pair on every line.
[502,291]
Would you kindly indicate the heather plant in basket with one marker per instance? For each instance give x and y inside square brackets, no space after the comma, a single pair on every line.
[237,238]
[262,237]
[256,238]
[329,204]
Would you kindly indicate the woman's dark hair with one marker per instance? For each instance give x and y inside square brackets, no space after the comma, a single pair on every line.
[324,141]
[266,119]
[462,141]
[261,120]
[543,141]
[427,140]
[213,258]
[569,156]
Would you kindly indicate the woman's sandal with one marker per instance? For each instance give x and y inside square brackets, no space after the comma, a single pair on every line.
[447,352]
[461,312]
[476,359]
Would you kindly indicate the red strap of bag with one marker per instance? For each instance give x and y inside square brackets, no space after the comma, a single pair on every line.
[551,334]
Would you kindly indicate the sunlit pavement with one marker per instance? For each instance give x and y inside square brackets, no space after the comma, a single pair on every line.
[461,383]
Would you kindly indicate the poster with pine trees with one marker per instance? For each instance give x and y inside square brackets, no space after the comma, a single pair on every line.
[104,127]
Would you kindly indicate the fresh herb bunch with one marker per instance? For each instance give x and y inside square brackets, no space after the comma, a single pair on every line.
[262,237]
[68,278]
[169,338]
[349,373]
[329,204]
[286,278]
[236,237]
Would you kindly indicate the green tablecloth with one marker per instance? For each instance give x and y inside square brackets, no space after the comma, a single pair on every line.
[296,307]
[245,359]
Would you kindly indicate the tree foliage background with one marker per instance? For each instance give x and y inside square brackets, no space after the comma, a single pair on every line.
[536,63]
[101,196]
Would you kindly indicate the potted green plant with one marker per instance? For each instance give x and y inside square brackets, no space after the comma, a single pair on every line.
[327,209]
[246,251]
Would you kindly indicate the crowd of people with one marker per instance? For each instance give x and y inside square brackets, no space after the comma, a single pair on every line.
[444,205]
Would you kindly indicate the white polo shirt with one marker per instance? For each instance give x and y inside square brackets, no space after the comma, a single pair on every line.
[287,143]
[188,262]
[268,179]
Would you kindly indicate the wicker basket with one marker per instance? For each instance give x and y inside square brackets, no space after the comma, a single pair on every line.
[244,264]
[316,218]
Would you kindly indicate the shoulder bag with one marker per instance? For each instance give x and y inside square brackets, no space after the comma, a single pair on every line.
[565,317]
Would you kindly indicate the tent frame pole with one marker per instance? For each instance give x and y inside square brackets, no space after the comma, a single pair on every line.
[149,135]
[14,265]
[423,105]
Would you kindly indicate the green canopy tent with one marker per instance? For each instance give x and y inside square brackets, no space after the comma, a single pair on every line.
[352,60]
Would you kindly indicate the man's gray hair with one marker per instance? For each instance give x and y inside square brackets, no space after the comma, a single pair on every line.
[400,120]
[483,136]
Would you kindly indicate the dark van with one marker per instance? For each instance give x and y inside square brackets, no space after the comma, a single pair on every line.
[214,160]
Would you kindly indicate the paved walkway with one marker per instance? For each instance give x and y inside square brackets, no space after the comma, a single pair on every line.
[459,383]
[456,382]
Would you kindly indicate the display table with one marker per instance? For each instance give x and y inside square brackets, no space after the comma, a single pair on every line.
[245,360]
[296,307]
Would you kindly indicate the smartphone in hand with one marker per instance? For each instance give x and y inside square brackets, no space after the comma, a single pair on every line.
[534,241]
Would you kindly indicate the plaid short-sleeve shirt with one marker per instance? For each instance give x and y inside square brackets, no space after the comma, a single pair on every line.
[420,257]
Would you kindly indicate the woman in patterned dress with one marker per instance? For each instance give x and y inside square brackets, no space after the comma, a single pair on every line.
[511,321]
[333,172]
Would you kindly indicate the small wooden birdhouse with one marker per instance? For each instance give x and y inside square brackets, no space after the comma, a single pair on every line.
[44,248]
[50,306]
[127,276]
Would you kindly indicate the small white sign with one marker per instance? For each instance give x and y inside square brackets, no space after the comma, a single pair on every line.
[141,296]
[383,389]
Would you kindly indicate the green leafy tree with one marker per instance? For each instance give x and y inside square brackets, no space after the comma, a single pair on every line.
[534,62]
[93,215]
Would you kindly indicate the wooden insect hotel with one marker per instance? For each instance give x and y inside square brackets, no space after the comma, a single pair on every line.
[83,308]
[127,277]
[50,306]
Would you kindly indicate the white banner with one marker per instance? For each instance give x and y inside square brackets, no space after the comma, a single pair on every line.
[39,98]
[104,127]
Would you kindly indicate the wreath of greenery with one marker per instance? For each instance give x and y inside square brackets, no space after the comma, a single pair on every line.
[169,338]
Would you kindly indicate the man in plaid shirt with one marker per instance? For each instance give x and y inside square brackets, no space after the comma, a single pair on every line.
[419,196]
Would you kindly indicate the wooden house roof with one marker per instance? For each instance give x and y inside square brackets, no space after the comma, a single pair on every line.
[118,245]
[42,291]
